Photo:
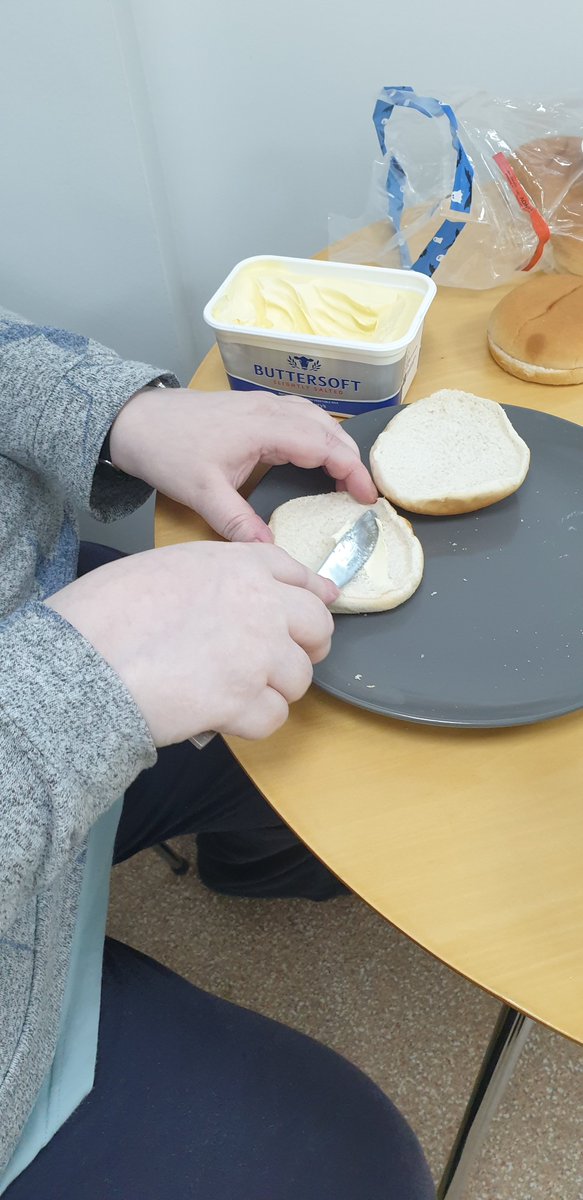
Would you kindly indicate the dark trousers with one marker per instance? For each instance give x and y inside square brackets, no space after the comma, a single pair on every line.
[194,1098]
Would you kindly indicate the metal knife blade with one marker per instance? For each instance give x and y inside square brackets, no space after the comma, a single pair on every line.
[352,551]
[348,556]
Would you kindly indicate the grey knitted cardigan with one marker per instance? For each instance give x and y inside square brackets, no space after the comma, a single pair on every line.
[71,737]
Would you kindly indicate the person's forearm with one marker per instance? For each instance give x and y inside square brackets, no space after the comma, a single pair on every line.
[59,395]
[71,741]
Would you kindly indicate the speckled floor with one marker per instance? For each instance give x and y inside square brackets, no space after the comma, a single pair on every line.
[340,973]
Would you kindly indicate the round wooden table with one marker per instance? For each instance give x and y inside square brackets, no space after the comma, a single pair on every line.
[470,842]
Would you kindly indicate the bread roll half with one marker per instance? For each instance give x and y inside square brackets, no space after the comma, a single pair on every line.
[309,527]
[449,453]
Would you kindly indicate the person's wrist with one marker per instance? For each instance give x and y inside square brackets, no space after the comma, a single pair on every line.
[121,438]
[104,459]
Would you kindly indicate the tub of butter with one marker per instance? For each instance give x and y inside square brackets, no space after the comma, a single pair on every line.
[345,336]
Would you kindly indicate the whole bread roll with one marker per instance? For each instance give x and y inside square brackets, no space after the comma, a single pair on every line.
[551,172]
[536,331]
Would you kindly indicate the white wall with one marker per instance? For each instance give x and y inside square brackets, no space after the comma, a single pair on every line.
[146,146]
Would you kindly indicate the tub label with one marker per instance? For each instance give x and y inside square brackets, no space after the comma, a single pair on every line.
[342,407]
[293,378]
[338,385]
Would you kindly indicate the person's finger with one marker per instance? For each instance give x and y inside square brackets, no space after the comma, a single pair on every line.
[310,623]
[267,713]
[323,449]
[288,570]
[314,413]
[340,484]
[227,512]
[291,675]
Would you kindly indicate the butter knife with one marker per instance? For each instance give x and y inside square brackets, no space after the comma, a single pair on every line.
[352,551]
[348,556]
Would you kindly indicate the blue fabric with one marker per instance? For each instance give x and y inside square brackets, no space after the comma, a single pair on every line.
[72,1073]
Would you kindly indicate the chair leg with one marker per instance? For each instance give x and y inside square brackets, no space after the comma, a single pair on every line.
[176,862]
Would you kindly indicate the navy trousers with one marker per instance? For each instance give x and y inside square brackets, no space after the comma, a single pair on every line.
[194,1098]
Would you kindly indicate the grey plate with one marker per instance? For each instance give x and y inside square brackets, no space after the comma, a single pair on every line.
[494,634]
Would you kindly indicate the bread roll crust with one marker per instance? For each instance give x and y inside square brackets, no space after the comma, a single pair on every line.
[532,373]
[568,250]
[454,506]
[536,331]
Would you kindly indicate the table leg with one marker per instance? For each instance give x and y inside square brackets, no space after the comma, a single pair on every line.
[510,1033]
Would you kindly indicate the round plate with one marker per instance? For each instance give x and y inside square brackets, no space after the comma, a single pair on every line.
[494,634]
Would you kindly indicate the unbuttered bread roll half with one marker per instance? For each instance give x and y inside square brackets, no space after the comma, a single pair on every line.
[310,526]
[449,453]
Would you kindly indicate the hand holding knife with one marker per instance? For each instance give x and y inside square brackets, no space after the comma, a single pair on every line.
[347,558]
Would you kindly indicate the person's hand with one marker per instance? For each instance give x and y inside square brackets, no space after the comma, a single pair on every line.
[198,448]
[206,635]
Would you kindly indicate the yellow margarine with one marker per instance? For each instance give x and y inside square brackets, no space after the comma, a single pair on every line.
[268,296]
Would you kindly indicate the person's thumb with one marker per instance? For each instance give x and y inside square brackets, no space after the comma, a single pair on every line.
[232,516]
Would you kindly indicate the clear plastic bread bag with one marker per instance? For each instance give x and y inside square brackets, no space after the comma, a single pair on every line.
[472,192]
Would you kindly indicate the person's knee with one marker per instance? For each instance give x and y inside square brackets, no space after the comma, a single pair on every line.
[333,1134]
[352,1143]
[257,1109]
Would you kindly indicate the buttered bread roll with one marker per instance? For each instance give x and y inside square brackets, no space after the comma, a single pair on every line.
[310,526]
[449,453]
[536,331]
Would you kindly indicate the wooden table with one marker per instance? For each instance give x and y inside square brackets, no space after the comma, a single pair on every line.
[470,842]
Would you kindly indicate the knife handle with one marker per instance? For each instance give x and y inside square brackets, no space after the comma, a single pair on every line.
[202,739]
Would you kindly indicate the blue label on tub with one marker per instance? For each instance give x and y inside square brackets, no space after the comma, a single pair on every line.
[338,384]
[334,401]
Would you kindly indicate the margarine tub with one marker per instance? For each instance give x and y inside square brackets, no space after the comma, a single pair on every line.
[347,337]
